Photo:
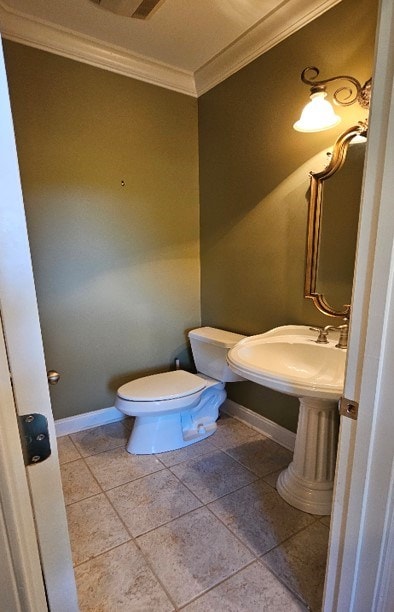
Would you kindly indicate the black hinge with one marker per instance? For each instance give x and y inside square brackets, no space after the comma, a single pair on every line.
[348,408]
[34,437]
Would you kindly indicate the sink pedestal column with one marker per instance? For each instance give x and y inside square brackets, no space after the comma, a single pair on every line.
[307,483]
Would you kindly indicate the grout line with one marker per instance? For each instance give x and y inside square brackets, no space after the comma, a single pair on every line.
[250,469]
[132,538]
[152,569]
[104,552]
[146,559]
[91,473]
[205,503]
[290,537]
[284,583]
[87,431]
[107,450]
[83,499]
[71,461]
[73,445]
[210,450]
[255,556]
[168,522]
[123,484]
[94,478]
[214,586]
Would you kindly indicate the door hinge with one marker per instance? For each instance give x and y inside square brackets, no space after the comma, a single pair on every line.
[348,408]
[34,437]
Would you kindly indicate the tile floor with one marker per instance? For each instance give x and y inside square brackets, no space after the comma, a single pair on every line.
[199,529]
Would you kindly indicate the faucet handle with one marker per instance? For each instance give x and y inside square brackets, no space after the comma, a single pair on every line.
[323,333]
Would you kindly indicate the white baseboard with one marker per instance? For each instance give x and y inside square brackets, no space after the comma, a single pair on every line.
[268,428]
[87,420]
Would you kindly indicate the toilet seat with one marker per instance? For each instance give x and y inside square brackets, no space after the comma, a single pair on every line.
[161,387]
[160,394]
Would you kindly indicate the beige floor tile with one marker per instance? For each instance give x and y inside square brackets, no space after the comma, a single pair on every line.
[253,589]
[78,483]
[94,528]
[67,450]
[301,563]
[232,433]
[261,455]
[326,520]
[189,452]
[100,439]
[212,475]
[272,478]
[115,467]
[259,516]
[192,554]
[152,501]
[120,581]
[128,422]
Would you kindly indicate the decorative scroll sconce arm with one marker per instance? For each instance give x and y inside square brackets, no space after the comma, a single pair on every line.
[359,93]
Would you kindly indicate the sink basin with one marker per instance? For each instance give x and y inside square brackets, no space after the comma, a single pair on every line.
[288,359]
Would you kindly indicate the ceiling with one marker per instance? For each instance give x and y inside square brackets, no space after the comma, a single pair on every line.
[185,45]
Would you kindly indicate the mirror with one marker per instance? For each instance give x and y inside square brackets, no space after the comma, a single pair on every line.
[332,225]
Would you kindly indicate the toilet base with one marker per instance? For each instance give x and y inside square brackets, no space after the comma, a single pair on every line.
[171,429]
[161,434]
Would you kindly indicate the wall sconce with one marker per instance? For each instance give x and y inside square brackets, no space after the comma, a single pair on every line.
[318,114]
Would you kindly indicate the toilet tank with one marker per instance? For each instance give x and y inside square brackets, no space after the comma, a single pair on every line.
[210,347]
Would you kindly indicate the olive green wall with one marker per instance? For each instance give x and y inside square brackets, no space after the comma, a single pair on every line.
[254,179]
[116,267]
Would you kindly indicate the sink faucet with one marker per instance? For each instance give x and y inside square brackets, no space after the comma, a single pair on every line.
[323,333]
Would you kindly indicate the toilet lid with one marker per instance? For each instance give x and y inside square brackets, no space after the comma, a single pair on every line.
[168,385]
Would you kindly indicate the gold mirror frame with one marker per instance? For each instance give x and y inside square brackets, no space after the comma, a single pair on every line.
[317,179]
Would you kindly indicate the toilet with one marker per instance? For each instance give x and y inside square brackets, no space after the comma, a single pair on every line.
[175,409]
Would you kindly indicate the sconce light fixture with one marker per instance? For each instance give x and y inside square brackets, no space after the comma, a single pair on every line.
[318,114]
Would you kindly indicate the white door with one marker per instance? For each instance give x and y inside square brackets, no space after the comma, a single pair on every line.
[33,522]
[361,556]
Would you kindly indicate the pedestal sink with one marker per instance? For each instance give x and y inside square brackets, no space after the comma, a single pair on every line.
[288,359]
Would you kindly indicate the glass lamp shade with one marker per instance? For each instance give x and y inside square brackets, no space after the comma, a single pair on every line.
[359,139]
[318,115]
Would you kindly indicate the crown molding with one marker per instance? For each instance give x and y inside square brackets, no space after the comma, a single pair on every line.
[275,27]
[48,37]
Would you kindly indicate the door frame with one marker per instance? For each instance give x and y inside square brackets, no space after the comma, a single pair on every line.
[31,497]
[360,549]
[20,566]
